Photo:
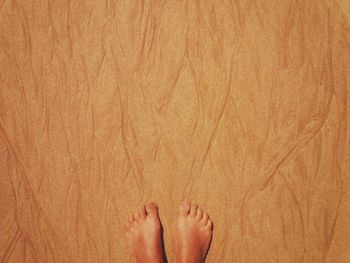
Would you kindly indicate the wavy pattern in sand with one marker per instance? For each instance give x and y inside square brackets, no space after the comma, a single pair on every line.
[240,105]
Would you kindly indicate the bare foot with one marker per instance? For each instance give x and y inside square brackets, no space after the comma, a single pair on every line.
[194,233]
[143,234]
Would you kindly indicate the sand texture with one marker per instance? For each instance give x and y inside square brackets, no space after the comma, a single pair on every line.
[240,105]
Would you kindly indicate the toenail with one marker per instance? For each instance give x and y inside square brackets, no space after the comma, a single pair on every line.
[185,204]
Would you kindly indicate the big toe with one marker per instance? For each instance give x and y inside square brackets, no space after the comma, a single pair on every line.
[152,209]
[185,208]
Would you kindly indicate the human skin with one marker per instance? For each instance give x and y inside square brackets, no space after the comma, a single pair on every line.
[193,236]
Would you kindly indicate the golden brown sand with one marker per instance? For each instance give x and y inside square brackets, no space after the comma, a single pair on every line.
[242,106]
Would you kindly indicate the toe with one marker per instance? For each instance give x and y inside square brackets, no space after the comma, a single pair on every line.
[209,224]
[205,218]
[185,208]
[193,210]
[142,212]
[137,216]
[199,213]
[152,209]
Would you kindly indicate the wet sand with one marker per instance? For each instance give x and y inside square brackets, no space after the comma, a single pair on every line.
[242,106]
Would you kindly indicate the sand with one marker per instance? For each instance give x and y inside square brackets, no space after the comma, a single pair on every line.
[240,106]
